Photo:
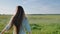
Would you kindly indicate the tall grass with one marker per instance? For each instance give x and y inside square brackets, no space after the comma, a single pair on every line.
[40,24]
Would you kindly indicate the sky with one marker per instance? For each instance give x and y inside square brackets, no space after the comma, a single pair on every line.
[30,6]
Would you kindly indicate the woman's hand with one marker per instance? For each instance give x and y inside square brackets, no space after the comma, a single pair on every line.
[0,33]
[3,31]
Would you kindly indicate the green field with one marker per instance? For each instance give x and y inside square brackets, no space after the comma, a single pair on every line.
[40,24]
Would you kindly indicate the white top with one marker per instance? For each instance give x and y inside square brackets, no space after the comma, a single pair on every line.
[25,27]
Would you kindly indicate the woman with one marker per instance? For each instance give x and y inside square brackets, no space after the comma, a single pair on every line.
[19,23]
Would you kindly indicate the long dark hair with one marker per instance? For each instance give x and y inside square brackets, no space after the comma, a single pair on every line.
[17,19]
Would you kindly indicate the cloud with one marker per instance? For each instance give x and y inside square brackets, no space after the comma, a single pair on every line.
[32,6]
[43,7]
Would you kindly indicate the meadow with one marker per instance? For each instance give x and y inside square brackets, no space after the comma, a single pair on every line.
[40,24]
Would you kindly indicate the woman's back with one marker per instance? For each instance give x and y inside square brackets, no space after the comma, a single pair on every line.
[25,27]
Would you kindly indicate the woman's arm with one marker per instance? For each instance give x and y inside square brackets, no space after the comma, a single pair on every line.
[8,26]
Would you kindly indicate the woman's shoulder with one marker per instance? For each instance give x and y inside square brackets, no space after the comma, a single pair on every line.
[24,21]
[25,18]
